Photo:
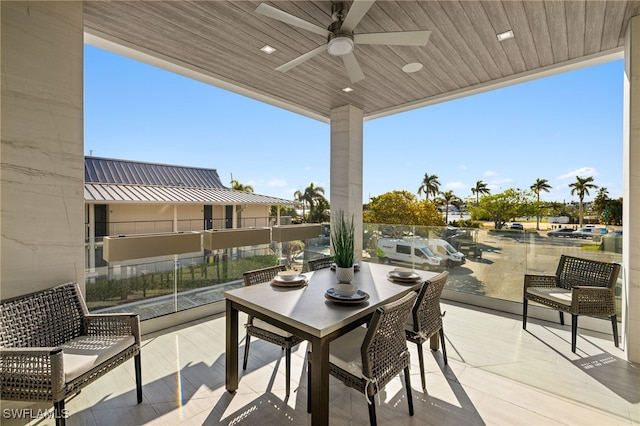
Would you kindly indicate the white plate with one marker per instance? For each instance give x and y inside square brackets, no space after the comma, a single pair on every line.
[411,278]
[296,280]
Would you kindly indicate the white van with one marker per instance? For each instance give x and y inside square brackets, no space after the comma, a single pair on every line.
[414,252]
[447,252]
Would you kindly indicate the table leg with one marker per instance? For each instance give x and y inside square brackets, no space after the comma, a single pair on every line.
[434,342]
[319,382]
[231,353]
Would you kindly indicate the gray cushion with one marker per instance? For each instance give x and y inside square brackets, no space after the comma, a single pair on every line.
[85,352]
[269,327]
[557,294]
[344,352]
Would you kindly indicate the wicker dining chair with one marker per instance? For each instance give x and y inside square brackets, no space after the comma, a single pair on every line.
[366,359]
[263,329]
[426,318]
[323,262]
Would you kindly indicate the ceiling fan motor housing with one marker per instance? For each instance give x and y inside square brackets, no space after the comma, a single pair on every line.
[339,11]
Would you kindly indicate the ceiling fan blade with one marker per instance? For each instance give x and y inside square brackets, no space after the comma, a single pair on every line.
[272,12]
[300,59]
[358,9]
[401,38]
[353,68]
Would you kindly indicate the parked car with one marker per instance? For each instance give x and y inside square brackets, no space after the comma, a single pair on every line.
[517,225]
[589,232]
[561,232]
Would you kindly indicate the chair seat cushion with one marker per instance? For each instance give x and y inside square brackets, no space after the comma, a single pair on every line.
[85,352]
[344,352]
[271,328]
[557,294]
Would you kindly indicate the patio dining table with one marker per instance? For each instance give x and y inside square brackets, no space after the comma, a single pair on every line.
[306,312]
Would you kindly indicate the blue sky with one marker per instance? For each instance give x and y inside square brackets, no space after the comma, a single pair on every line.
[553,128]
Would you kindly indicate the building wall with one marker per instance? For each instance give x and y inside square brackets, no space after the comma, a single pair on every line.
[149,218]
[254,216]
[41,156]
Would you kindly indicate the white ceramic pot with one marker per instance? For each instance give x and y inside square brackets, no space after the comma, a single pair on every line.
[344,275]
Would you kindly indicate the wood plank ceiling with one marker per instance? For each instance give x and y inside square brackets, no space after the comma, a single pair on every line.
[223,39]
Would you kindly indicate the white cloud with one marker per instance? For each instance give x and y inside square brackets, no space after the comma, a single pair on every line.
[489,173]
[462,167]
[582,172]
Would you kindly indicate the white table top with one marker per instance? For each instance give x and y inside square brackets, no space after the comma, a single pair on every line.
[307,309]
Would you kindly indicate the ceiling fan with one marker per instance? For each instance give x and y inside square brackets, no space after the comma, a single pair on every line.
[340,37]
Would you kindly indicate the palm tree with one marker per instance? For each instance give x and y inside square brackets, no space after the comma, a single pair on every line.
[459,204]
[445,199]
[299,196]
[430,185]
[240,187]
[540,185]
[480,189]
[313,195]
[581,187]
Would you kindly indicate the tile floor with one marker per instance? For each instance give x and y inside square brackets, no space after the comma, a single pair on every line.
[498,374]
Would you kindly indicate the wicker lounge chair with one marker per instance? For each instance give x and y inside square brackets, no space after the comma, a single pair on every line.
[426,318]
[366,359]
[262,329]
[579,287]
[51,347]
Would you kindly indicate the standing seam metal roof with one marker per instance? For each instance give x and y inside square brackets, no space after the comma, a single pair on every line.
[112,181]
[111,171]
[113,193]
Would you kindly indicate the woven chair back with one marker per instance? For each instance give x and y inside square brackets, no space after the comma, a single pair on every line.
[427,317]
[46,318]
[384,349]
[574,271]
[323,262]
[262,275]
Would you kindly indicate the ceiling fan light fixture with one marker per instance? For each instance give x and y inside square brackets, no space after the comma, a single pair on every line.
[340,45]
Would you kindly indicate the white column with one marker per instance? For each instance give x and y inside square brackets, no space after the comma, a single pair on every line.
[42,161]
[631,195]
[175,218]
[346,167]
[92,237]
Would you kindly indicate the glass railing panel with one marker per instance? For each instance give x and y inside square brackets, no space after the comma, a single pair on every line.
[495,261]
[484,262]
[159,286]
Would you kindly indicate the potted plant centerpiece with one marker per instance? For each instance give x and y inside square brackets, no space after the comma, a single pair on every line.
[342,241]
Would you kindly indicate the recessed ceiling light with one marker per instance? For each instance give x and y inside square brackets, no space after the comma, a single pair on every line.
[268,49]
[505,35]
[347,89]
[412,67]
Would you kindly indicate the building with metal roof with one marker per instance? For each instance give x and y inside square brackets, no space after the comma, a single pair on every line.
[133,197]
[111,181]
